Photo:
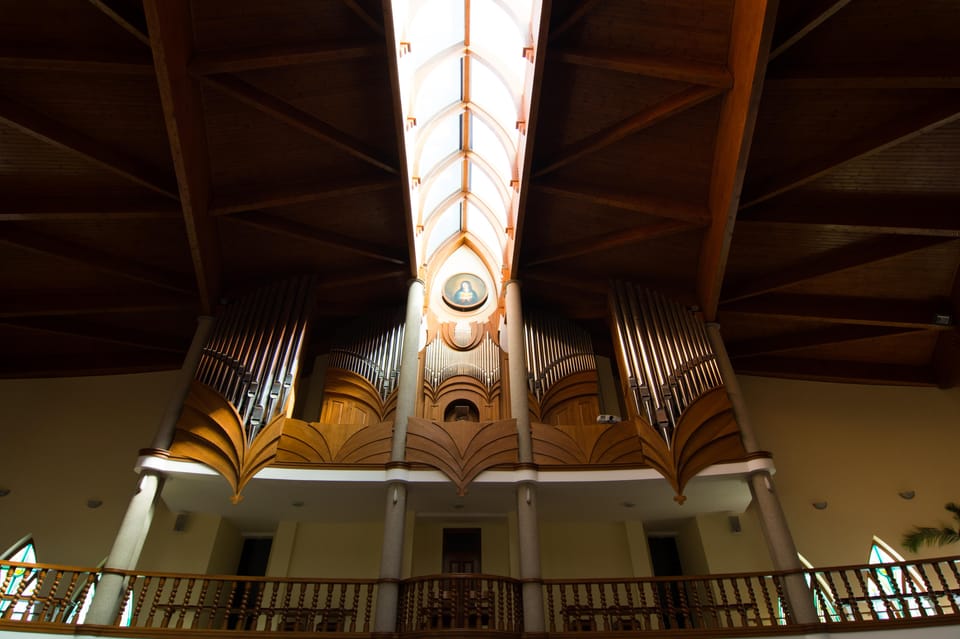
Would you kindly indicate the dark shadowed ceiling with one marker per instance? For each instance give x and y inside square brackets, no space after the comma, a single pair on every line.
[158,158]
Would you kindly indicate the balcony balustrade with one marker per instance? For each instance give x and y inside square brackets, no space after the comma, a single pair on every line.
[51,598]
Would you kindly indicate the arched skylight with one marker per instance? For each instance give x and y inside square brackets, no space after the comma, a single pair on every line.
[463,67]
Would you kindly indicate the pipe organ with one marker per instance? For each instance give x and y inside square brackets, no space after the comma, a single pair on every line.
[253,353]
[443,362]
[665,356]
[555,348]
[372,351]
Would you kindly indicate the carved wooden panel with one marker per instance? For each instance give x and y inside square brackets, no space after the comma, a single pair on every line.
[461,450]
[707,433]
[572,400]
[487,400]
[350,399]
[584,444]
[211,432]
[317,443]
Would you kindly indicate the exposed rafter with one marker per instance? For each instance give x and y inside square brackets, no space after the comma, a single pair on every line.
[283,56]
[695,214]
[238,200]
[838,259]
[40,127]
[124,16]
[20,211]
[813,338]
[355,278]
[711,75]
[309,124]
[170,24]
[842,78]
[608,241]
[90,364]
[816,13]
[836,371]
[864,311]
[367,19]
[585,7]
[98,260]
[105,334]
[874,141]
[69,303]
[306,233]
[75,62]
[655,114]
[886,214]
[752,31]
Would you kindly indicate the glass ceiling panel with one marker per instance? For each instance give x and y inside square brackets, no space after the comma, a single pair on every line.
[445,138]
[435,26]
[494,31]
[446,227]
[484,142]
[445,184]
[486,190]
[480,227]
[440,88]
[489,91]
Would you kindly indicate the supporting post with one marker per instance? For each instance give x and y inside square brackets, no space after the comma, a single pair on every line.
[776,532]
[135,525]
[528,527]
[391,557]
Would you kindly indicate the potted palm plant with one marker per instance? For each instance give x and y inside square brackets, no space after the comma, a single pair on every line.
[930,536]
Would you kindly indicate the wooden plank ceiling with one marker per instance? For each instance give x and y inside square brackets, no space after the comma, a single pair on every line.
[790,167]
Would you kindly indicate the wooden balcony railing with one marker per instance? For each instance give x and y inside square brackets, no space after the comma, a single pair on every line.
[43,592]
[887,594]
[462,601]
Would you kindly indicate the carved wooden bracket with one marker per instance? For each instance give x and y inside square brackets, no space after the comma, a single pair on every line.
[316,443]
[706,434]
[462,450]
[586,444]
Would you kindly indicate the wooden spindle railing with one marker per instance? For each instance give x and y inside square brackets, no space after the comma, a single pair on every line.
[458,602]
[43,593]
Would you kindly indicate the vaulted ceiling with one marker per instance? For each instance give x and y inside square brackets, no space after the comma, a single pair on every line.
[792,170]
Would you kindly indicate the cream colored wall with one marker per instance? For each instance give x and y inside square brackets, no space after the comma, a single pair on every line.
[856,447]
[727,551]
[578,550]
[68,440]
[428,545]
[208,545]
[332,550]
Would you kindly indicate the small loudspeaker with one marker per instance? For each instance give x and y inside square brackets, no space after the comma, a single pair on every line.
[735,524]
[180,523]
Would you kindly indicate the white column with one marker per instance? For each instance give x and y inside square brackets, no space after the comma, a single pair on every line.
[776,532]
[391,553]
[135,525]
[528,527]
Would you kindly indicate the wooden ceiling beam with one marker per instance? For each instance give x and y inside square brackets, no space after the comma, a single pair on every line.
[123,15]
[354,278]
[817,12]
[890,215]
[863,311]
[608,241]
[575,16]
[367,19]
[710,75]
[17,210]
[90,364]
[579,283]
[70,303]
[809,339]
[750,37]
[285,56]
[299,231]
[170,25]
[878,139]
[238,201]
[40,127]
[105,334]
[92,258]
[75,62]
[840,79]
[648,204]
[674,105]
[831,261]
[836,371]
[309,124]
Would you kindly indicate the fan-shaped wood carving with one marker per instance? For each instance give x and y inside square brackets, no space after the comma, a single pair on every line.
[317,443]
[586,444]
[461,450]
[706,434]
[211,432]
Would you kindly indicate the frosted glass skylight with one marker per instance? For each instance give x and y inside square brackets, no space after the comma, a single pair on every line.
[461,87]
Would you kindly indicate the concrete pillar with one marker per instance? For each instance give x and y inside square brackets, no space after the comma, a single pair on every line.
[776,532]
[391,557]
[135,525]
[517,370]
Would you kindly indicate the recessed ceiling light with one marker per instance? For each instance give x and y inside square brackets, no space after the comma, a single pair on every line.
[628,504]
[297,504]
[4,492]
[94,503]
